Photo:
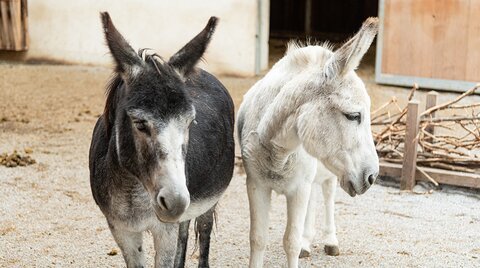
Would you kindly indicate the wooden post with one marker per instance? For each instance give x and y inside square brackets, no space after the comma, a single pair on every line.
[13,25]
[431,101]
[24,9]
[410,156]
[6,42]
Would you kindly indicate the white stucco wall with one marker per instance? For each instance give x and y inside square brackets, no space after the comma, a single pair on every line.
[70,30]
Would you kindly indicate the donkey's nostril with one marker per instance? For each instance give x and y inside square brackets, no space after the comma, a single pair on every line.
[371,179]
[163,203]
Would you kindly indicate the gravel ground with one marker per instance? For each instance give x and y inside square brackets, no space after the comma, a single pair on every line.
[48,216]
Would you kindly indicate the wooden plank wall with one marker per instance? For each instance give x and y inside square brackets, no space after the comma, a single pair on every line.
[13,25]
[432,39]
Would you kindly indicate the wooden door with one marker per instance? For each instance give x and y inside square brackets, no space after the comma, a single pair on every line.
[435,43]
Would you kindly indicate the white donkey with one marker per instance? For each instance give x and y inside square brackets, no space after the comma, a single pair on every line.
[307,120]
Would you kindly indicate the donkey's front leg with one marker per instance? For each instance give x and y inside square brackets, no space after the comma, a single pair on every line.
[182,244]
[309,230]
[165,237]
[259,198]
[131,245]
[297,203]
[329,230]
[204,225]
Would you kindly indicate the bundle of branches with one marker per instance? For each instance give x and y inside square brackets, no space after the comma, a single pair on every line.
[448,137]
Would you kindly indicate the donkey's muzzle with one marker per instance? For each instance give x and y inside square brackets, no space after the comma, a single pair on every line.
[369,179]
[170,205]
[357,186]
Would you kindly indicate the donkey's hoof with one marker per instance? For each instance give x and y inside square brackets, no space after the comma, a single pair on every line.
[304,254]
[331,250]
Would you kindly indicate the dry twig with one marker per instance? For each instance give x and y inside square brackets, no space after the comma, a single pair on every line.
[456,146]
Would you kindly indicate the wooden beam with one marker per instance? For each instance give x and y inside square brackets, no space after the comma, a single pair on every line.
[13,25]
[16,23]
[431,102]
[25,39]
[4,25]
[441,176]
[411,142]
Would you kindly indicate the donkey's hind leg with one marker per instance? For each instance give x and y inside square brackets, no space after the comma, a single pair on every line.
[309,229]
[131,245]
[328,228]
[203,227]
[182,244]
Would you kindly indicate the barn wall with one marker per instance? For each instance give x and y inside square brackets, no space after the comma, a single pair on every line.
[70,30]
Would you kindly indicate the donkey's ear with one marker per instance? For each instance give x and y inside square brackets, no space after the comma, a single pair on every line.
[347,58]
[187,57]
[125,57]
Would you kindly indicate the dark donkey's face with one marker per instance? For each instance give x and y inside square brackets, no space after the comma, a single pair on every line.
[152,118]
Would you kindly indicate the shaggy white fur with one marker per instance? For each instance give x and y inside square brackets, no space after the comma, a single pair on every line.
[307,123]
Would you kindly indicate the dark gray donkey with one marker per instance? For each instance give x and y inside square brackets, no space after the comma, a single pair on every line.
[162,153]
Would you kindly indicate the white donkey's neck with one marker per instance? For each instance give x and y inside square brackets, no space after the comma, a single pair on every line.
[284,143]
[277,129]
[291,82]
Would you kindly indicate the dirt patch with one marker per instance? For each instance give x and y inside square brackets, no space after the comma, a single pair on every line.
[48,216]
[15,159]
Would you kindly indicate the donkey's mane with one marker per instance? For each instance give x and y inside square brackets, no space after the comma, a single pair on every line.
[112,89]
[293,45]
[298,54]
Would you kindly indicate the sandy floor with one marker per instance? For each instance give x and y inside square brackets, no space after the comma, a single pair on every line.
[48,217]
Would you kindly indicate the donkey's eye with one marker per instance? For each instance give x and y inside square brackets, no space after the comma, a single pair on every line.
[141,125]
[354,117]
